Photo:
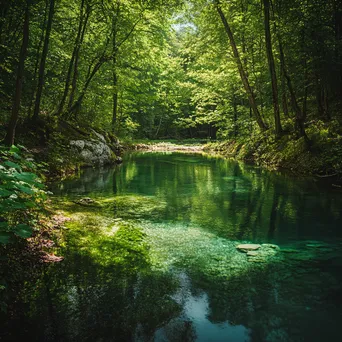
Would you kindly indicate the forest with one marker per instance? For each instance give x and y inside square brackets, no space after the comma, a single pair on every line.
[175,69]
[138,135]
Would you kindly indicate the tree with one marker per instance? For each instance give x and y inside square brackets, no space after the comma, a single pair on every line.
[239,64]
[9,139]
[43,61]
[270,58]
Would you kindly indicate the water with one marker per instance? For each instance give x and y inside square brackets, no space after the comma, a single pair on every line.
[155,258]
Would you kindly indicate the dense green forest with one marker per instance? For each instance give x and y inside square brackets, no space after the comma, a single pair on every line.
[172,69]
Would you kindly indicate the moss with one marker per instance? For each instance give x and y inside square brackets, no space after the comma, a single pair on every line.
[107,239]
[323,157]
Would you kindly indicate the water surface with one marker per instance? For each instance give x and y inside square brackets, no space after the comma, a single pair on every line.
[156,260]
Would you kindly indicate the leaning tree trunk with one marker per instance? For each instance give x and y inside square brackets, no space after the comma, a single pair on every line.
[43,61]
[9,139]
[271,65]
[242,72]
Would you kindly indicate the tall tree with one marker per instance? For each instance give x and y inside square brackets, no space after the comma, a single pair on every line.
[43,61]
[270,59]
[243,75]
[72,59]
[9,139]
[85,20]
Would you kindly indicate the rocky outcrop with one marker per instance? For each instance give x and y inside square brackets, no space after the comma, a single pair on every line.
[96,150]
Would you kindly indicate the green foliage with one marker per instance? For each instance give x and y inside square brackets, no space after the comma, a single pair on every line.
[22,195]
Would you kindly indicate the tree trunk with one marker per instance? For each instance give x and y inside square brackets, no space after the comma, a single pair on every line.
[43,61]
[75,107]
[299,114]
[337,16]
[36,66]
[115,96]
[235,116]
[115,75]
[271,65]
[77,57]
[242,72]
[71,64]
[9,139]
[283,93]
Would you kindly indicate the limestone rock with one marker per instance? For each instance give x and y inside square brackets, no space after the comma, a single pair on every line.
[92,152]
[252,253]
[248,247]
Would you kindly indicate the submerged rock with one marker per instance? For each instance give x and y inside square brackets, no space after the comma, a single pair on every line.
[248,247]
[270,245]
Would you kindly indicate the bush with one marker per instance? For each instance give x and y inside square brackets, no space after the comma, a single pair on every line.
[21,195]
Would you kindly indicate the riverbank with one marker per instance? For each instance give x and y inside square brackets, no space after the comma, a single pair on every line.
[322,161]
[321,158]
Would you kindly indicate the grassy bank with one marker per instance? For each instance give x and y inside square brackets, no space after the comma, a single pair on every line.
[321,158]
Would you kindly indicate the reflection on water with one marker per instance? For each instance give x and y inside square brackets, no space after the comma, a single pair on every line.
[156,259]
[235,200]
[195,314]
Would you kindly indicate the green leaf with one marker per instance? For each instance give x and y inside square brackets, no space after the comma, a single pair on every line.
[5,193]
[13,165]
[23,230]
[4,237]
[24,189]
[14,149]
[26,177]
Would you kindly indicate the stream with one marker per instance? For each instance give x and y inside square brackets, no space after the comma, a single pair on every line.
[153,257]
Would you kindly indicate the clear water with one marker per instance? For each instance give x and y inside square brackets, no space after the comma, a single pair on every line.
[156,260]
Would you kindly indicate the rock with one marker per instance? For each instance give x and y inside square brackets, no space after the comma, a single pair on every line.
[85,201]
[100,136]
[93,152]
[49,258]
[252,253]
[248,247]
[270,245]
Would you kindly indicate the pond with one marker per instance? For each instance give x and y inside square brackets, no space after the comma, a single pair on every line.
[153,256]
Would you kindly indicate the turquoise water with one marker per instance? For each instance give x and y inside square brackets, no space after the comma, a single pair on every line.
[155,259]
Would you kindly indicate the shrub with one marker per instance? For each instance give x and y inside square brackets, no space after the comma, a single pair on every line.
[21,195]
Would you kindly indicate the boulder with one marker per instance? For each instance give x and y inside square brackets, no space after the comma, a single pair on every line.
[93,152]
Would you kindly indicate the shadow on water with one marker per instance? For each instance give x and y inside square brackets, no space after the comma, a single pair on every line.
[156,258]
